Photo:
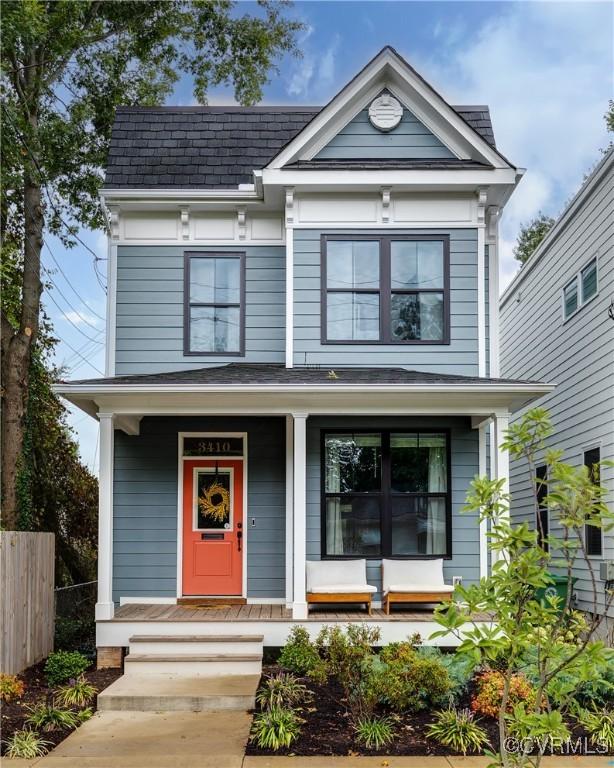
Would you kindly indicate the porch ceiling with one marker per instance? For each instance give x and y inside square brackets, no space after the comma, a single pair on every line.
[243,389]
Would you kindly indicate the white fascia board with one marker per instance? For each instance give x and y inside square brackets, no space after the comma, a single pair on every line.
[109,196]
[388,70]
[427,179]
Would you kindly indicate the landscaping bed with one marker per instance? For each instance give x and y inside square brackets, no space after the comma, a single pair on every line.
[37,690]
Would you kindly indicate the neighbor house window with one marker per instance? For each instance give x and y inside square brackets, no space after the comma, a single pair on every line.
[386,494]
[385,290]
[581,289]
[592,535]
[214,303]
[541,491]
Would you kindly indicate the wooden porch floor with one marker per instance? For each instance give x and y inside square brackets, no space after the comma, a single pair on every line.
[156,612]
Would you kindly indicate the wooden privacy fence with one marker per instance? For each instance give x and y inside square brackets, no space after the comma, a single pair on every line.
[27,599]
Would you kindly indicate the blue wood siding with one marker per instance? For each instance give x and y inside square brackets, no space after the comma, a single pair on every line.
[465,560]
[145,505]
[458,357]
[149,332]
[360,140]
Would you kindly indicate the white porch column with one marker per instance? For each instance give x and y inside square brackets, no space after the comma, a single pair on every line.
[104,605]
[289,509]
[502,459]
[299,603]
[483,523]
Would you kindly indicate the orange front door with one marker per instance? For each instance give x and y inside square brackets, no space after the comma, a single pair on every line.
[212,527]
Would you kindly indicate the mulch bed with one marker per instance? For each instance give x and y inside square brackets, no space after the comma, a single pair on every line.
[15,713]
[327,731]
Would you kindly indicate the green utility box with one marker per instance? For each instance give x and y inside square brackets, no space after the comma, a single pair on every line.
[558,588]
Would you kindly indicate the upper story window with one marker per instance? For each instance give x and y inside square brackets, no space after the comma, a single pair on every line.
[214,304]
[581,289]
[385,289]
[593,540]
[541,490]
[386,494]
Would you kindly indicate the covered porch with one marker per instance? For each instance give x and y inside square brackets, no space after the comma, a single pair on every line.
[298,405]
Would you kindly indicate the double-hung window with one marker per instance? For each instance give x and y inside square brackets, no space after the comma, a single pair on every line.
[593,540]
[214,295]
[385,289]
[386,494]
[541,491]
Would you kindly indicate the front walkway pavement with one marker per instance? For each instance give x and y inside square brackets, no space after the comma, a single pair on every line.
[413,762]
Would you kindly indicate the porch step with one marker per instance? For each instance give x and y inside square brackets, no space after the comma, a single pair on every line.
[179,693]
[194,645]
[193,665]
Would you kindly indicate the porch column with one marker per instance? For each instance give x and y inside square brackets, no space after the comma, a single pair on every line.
[104,605]
[501,456]
[289,509]
[299,603]
[483,523]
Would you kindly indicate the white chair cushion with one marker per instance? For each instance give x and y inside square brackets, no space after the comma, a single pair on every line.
[340,573]
[415,572]
[420,588]
[347,589]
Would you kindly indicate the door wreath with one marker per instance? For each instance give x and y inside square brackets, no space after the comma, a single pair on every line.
[215,503]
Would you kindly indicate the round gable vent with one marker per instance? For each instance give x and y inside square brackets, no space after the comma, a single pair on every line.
[385,112]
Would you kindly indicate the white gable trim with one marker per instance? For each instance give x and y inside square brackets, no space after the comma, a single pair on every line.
[388,70]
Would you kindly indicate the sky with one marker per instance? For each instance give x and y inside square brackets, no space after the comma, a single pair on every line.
[544,68]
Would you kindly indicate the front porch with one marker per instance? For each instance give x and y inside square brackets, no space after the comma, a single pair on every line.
[274,621]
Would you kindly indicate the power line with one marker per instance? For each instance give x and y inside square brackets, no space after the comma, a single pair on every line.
[77,294]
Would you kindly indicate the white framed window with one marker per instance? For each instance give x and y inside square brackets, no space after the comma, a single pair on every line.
[581,289]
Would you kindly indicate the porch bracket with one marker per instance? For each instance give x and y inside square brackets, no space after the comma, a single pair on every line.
[129,424]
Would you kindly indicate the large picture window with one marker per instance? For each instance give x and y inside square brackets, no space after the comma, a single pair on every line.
[214,303]
[593,539]
[385,289]
[386,494]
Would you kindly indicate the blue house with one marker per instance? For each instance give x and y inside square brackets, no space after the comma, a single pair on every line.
[302,359]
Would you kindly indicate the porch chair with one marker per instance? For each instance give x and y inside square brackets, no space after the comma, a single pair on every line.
[413,581]
[338,581]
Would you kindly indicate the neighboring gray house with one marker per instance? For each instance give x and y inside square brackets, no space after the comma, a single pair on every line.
[557,324]
[301,355]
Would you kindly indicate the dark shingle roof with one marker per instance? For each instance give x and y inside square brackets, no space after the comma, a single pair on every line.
[416,164]
[251,373]
[209,147]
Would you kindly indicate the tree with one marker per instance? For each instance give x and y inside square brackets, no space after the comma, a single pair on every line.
[65,66]
[531,235]
[531,633]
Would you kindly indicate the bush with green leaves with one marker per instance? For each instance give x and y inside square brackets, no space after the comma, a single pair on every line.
[65,665]
[374,732]
[48,717]
[565,656]
[599,724]
[299,654]
[458,730]
[11,687]
[409,681]
[26,745]
[281,690]
[275,728]
[77,693]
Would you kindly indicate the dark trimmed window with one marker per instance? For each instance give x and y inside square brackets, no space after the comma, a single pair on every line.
[541,491]
[385,289]
[214,311]
[386,494]
[593,540]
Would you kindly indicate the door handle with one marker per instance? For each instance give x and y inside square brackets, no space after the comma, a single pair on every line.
[239,539]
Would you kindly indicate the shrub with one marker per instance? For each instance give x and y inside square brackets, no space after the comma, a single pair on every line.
[47,717]
[408,680]
[489,695]
[76,694]
[374,732]
[299,654]
[458,730]
[281,690]
[26,745]
[64,665]
[11,687]
[460,669]
[599,725]
[275,728]
[75,633]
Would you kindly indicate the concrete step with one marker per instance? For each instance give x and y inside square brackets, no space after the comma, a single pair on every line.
[194,645]
[179,693]
[195,665]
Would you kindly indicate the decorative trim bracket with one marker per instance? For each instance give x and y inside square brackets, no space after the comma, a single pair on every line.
[289,205]
[385,204]
[492,218]
[482,199]
[114,222]
[242,222]
[185,222]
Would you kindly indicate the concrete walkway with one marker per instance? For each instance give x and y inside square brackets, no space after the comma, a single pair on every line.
[216,740]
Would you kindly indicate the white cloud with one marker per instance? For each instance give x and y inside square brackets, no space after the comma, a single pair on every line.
[545,70]
[314,75]
[82,317]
